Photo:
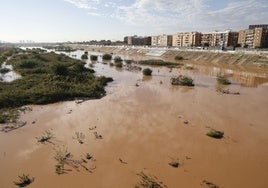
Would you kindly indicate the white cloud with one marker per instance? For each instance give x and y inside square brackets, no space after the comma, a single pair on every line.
[84,4]
[94,14]
[179,15]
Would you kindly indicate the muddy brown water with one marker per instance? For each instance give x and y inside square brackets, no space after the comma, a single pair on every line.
[144,127]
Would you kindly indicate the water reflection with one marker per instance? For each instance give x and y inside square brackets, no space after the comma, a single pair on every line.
[245,79]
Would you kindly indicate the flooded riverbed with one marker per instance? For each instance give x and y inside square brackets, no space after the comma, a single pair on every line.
[145,124]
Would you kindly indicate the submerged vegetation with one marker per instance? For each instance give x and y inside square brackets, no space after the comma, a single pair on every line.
[148,182]
[60,48]
[48,78]
[107,57]
[147,71]
[118,64]
[223,80]
[118,59]
[46,137]
[215,134]
[24,180]
[128,61]
[93,57]
[10,115]
[182,80]
[158,62]
[84,56]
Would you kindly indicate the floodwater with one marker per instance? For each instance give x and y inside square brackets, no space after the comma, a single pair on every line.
[9,76]
[142,122]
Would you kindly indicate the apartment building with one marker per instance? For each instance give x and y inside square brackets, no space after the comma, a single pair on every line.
[162,40]
[187,39]
[220,38]
[256,36]
[136,40]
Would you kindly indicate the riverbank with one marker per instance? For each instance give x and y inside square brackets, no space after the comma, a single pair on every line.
[198,56]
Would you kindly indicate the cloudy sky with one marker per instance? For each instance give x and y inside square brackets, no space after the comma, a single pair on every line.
[79,20]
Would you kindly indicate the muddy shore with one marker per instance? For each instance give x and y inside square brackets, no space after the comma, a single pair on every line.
[146,128]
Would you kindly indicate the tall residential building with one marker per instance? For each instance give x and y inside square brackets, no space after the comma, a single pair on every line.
[136,40]
[206,39]
[186,39]
[220,38]
[162,40]
[254,37]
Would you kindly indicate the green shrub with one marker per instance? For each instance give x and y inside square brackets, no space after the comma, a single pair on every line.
[182,80]
[60,69]
[128,61]
[27,64]
[118,59]
[118,64]
[223,80]
[107,57]
[84,56]
[93,58]
[147,71]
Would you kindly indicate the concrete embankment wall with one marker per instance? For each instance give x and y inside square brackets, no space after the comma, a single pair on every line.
[218,57]
[221,58]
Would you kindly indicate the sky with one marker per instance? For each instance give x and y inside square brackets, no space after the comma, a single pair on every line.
[84,20]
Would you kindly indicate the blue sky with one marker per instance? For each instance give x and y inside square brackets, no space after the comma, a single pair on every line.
[79,20]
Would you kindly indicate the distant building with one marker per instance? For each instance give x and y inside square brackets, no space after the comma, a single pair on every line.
[220,38]
[186,39]
[264,26]
[206,39]
[136,40]
[254,37]
[162,40]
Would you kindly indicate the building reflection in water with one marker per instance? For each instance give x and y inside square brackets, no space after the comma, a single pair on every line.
[246,79]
